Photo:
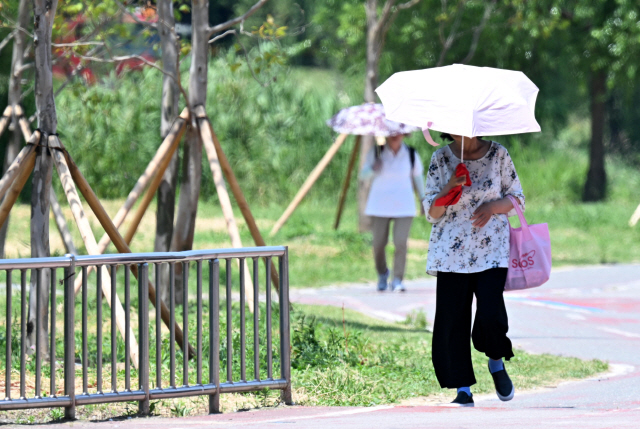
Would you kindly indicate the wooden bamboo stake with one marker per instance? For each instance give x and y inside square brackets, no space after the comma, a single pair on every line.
[347,181]
[119,242]
[225,204]
[212,145]
[164,153]
[632,222]
[12,171]
[24,123]
[58,216]
[306,186]
[150,193]
[61,223]
[5,119]
[89,239]
[24,171]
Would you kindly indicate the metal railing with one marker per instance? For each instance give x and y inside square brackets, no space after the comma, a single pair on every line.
[97,368]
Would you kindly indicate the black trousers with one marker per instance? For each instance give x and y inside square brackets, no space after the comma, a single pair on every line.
[451,348]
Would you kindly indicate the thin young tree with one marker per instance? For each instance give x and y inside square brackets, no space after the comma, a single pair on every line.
[15,95]
[43,12]
[170,109]
[202,33]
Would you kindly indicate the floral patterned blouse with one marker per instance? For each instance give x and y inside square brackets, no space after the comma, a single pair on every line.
[456,245]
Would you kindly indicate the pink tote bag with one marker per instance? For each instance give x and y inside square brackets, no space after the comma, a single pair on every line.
[529,255]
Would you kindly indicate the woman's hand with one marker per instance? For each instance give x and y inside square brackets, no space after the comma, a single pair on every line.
[453,182]
[483,214]
[437,211]
[377,165]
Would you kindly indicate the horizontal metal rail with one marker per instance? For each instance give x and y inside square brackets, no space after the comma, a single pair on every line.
[109,373]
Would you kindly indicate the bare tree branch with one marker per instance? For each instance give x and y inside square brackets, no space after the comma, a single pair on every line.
[452,33]
[76,44]
[384,16]
[478,31]
[24,67]
[253,73]
[408,4]
[15,27]
[118,59]
[27,92]
[225,25]
[393,17]
[220,36]
[8,39]
[443,8]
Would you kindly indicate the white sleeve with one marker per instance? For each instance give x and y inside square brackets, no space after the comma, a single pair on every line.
[510,182]
[434,184]
[367,168]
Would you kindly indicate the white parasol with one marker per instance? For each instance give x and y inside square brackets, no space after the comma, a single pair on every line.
[462,100]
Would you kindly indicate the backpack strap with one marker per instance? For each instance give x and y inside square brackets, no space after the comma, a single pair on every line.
[412,156]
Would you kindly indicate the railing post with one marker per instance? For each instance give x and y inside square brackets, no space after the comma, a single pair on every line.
[69,337]
[285,335]
[143,336]
[214,334]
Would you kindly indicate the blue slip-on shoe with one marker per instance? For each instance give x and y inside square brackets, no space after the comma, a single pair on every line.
[463,400]
[504,386]
[382,281]
[397,285]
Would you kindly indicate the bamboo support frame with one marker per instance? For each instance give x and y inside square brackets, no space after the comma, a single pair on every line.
[119,243]
[23,172]
[154,169]
[169,144]
[150,193]
[5,119]
[225,203]
[306,186]
[22,121]
[89,239]
[347,181]
[61,223]
[236,190]
[12,171]
[634,218]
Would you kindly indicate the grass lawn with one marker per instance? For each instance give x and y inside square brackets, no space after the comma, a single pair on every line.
[346,358]
[356,360]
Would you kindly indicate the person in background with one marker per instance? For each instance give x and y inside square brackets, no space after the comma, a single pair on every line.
[396,171]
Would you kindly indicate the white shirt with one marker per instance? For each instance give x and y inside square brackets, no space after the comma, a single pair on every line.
[391,193]
[455,245]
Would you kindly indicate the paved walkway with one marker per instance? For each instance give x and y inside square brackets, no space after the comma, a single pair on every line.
[587,312]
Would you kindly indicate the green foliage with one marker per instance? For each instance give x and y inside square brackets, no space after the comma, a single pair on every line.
[273,136]
[353,360]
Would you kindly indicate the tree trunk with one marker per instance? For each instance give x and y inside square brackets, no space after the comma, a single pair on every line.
[44,12]
[370,84]
[595,188]
[192,155]
[170,111]
[15,91]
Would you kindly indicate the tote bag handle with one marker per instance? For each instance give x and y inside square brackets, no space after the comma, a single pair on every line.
[523,221]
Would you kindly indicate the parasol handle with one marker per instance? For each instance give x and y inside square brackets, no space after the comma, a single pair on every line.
[462,151]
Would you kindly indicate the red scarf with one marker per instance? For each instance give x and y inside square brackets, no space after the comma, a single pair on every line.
[454,194]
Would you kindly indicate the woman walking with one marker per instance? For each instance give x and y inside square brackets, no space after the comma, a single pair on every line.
[397,171]
[469,253]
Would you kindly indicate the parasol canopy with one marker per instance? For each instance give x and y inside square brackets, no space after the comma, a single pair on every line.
[462,100]
[367,120]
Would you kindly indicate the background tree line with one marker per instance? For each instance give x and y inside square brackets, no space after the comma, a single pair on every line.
[582,54]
